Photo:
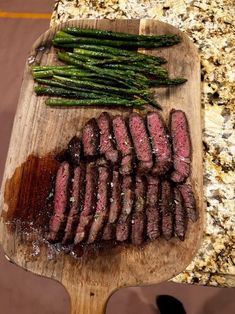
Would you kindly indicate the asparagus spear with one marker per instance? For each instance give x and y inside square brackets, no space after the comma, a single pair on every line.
[120,52]
[64,34]
[109,72]
[96,33]
[73,70]
[43,74]
[82,75]
[36,68]
[69,58]
[135,79]
[107,57]
[127,60]
[62,92]
[87,91]
[125,80]
[166,40]
[106,88]
[92,53]
[106,101]
[141,68]
[82,58]
[167,81]
[66,57]
[144,94]
[114,59]
[93,77]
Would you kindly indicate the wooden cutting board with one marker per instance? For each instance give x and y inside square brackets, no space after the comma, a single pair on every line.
[40,131]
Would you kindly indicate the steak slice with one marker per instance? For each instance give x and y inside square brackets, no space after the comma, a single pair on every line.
[124,144]
[141,143]
[61,201]
[76,201]
[189,201]
[180,221]
[102,205]
[74,150]
[181,145]
[127,164]
[90,199]
[138,216]
[160,143]
[166,210]
[152,208]
[123,224]
[115,206]
[91,138]
[107,144]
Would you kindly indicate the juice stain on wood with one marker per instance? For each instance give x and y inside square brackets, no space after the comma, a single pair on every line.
[29,195]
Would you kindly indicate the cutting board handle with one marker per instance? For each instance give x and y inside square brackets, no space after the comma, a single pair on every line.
[88,300]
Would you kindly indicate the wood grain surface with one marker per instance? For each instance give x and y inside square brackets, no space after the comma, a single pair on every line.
[40,130]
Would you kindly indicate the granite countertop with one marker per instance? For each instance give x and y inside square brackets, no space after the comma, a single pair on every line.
[211,26]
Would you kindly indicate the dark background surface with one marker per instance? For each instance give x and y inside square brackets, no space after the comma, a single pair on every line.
[22,292]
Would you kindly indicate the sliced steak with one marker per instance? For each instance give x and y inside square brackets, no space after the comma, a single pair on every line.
[107,143]
[189,201]
[180,221]
[91,138]
[124,221]
[138,216]
[74,150]
[124,144]
[127,164]
[160,143]
[166,210]
[102,205]
[108,232]
[181,145]
[102,162]
[181,170]
[141,143]
[61,201]
[90,198]
[152,208]
[115,206]
[76,201]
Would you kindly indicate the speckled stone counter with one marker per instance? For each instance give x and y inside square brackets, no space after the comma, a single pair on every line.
[210,24]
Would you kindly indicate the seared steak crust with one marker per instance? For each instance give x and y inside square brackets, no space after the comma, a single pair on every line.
[189,201]
[180,221]
[124,144]
[90,199]
[61,201]
[102,205]
[181,145]
[107,143]
[166,210]
[91,138]
[141,143]
[123,224]
[76,201]
[138,216]
[160,143]
[115,206]
[152,208]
